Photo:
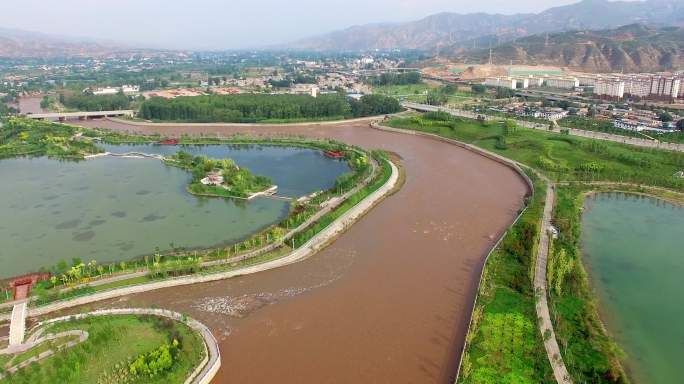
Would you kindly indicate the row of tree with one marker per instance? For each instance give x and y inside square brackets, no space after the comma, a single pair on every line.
[391,78]
[258,107]
[89,102]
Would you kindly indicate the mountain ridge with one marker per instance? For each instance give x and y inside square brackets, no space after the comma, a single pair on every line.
[631,48]
[436,31]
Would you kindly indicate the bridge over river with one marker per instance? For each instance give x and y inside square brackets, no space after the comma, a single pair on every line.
[62,116]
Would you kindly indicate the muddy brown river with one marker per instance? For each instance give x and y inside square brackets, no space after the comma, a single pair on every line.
[388,301]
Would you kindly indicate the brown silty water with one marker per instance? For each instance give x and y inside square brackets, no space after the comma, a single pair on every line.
[388,301]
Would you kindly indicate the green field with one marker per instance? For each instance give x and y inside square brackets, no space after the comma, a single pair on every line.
[113,342]
[403,90]
[504,344]
[560,156]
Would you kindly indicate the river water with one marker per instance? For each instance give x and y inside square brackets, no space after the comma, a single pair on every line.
[111,209]
[388,301]
[632,247]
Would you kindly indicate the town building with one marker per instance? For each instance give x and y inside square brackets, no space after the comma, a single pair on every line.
[562,82]
[125,89]
[638,86]
[665,87]
[505,82]
[610,88]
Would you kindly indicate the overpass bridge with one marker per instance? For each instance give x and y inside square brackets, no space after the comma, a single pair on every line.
[62,116]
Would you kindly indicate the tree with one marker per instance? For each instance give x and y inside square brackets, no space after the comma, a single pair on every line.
[436,98]
[509,127]
[478,88]
[665,117]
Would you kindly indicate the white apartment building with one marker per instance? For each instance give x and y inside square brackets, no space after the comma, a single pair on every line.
[665,86]
[126,89]
[612,88]
[505,82]
[536,81]
[522,82]
[562,82]
[588,80]
[639,86]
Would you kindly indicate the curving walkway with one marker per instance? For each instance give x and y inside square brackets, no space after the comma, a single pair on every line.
[207,369]
[560,372]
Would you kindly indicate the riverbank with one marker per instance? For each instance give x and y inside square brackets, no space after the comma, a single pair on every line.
[438,248]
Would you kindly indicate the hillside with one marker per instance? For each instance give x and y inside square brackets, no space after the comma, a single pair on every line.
[631,48]
[22,44]
[457,30]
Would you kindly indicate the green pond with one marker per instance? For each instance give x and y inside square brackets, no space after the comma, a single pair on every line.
[111,209]
[632,246]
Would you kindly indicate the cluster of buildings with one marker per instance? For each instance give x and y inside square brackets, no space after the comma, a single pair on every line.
[524,110]
[531,81]
[658,86]
[640,120]
[125,89]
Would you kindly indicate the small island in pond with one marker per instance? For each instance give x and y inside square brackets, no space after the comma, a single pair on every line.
[221,178]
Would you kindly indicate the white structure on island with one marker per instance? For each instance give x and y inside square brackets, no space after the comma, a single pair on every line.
[213,178]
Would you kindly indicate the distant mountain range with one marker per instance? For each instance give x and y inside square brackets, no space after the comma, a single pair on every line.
[449,32]
[16,43]
[631,48]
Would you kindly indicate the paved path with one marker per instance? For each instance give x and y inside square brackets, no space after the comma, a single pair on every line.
[203,373]
[82,336]
[541,292]
[574,132]
[18,324]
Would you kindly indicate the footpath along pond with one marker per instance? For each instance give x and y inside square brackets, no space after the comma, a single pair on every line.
[112,209]
[632,248]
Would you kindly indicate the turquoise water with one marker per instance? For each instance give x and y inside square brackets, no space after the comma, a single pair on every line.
[632,246]
[111,209]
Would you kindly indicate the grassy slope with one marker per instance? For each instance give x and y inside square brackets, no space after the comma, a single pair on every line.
[112,341]
[504,344]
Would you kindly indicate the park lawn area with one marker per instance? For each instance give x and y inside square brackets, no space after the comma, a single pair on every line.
[561,157]
[402,90]
[112,341]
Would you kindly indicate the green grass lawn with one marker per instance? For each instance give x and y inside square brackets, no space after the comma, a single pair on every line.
[402,90]
[113,341]
[559,156]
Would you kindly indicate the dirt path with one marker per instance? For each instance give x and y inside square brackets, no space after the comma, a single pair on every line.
[560,372]
[389,301]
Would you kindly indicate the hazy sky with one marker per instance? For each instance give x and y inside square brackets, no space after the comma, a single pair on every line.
[216,24]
